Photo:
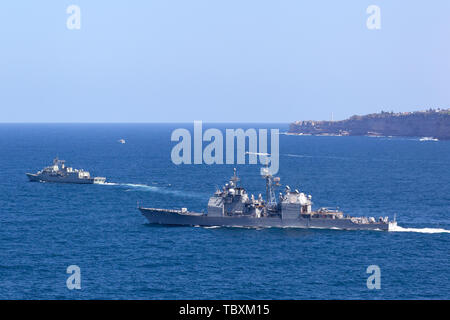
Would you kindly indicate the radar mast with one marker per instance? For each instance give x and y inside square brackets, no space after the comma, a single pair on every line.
[234,179]
[271,183]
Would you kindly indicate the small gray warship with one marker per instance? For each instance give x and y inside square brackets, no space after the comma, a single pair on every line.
[233,207]
[58,172]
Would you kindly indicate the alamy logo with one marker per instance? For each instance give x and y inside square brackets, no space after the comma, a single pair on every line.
[74,280]
[74,20]
[374,281]
[374,20]
[213,151]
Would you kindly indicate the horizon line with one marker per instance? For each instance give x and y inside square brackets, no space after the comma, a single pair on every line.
[162,122]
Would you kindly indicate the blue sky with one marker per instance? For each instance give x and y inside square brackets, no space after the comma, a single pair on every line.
[220,61]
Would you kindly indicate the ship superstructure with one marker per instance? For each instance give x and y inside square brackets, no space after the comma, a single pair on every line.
[59,172]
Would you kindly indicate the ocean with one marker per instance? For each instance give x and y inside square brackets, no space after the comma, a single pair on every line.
[45,227]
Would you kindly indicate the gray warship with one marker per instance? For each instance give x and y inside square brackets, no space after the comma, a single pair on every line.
[233,207]
[58,172]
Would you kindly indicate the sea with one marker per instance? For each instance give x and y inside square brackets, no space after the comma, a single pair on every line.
[45,228]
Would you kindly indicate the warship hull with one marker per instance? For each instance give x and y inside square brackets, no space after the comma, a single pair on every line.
[64,179]
[178,217]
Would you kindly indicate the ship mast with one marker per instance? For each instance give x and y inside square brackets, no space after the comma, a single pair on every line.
[234,178]
[271,183]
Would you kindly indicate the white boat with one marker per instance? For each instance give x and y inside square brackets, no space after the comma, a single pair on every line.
[428,139]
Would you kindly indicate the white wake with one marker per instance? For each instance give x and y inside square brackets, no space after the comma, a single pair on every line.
[140,186]
[162,190]
[420,230]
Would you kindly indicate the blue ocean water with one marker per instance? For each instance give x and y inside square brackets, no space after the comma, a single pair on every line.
[46,227]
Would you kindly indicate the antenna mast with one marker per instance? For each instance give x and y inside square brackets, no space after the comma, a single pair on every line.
[234,178]
[271,183]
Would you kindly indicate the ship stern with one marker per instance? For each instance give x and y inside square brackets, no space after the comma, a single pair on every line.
[392,226]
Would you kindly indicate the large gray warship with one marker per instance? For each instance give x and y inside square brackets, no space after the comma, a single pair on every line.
[58,172]
[233,207]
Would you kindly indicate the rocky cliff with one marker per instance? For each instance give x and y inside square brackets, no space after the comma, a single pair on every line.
[430,123]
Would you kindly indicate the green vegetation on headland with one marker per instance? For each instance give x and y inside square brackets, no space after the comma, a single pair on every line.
[430,123]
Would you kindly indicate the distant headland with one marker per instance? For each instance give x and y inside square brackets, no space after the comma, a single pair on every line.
[429,123]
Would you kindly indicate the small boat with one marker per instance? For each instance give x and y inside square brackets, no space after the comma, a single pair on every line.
[428,139]
[122,141]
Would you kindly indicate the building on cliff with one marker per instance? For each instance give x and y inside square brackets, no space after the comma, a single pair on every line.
[430,123]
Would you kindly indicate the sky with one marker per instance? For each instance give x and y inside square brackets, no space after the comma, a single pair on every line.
[220,61]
